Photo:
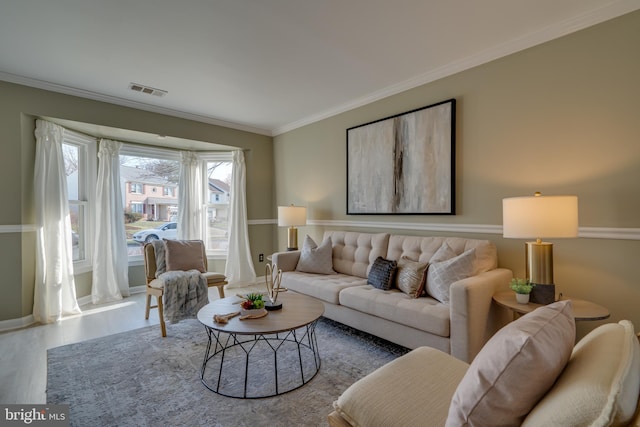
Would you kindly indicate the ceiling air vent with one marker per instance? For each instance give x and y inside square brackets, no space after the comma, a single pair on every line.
[147,89]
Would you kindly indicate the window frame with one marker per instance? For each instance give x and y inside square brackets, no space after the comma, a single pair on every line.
[128,149]
[87,180]
[206,158]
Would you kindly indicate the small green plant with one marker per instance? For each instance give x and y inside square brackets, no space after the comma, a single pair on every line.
[253,301]
[521,286]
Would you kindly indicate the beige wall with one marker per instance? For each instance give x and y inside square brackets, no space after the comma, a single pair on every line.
[560,118]
[20,105]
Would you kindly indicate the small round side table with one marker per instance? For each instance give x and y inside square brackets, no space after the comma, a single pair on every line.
[582,309]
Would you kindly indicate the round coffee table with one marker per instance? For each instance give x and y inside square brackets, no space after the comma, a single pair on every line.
[262,357]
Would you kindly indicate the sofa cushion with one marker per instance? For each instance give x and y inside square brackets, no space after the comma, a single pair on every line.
[600,384]
[515,368]
[354,253]
[441,275]
[411,276]
[185,255]
[382,273]
[411,391]
[425,314]
[324,287]
[314,258]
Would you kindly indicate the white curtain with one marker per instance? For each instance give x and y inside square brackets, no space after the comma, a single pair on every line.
[110,260]
[190,197]
[239,268]
[55,290]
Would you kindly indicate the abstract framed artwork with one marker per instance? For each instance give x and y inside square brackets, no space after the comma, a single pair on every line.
[403,164]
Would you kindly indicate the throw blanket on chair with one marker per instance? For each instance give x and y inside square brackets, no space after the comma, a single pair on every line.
[185,292]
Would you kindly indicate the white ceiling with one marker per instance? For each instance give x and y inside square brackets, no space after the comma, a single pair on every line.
[269,66]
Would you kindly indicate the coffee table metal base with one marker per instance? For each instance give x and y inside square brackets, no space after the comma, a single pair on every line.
[225,349]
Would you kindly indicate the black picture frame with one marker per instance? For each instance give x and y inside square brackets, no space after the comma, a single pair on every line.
[403,164]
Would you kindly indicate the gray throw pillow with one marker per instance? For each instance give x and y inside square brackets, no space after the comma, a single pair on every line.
[382,273]
[314,258]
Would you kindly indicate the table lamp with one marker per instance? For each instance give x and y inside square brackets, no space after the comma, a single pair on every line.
[292,216]
[540,217]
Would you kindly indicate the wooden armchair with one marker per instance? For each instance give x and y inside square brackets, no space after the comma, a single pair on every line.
[155,287]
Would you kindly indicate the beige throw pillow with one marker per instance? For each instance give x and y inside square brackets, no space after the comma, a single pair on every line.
[411,276]
[441,275]
[314,258]
[515,369]
[184,255]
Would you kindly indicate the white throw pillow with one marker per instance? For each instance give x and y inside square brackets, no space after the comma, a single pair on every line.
[441,275]
[314,258]
[515,369]
[600,384]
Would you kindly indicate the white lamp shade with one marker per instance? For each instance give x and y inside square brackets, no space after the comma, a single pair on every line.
[540,217]
[291,216]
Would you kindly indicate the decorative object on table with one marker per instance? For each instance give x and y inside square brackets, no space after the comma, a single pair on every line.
[522,288]
[540,217]
[404,164]
[273,279]
[224,318]
[252,307]
[292,216]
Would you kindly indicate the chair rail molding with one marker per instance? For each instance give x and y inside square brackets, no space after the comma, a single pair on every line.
[584,232]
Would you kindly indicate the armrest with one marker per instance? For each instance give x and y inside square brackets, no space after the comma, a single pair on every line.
[474,319]
[286,261]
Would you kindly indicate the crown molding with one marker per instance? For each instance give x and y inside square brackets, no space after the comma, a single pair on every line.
[87,94]
[585,20]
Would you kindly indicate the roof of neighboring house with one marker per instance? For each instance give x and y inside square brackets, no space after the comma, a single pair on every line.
[217,186]
[132,174]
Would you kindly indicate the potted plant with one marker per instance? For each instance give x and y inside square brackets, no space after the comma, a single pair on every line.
[522,288]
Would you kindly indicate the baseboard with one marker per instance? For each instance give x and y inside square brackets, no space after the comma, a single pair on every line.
[8,325]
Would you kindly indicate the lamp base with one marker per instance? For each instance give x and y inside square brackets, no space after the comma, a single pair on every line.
[539,270]
[292,239]
[543,294]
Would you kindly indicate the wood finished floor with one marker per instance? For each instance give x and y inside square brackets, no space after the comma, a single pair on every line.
[23,352]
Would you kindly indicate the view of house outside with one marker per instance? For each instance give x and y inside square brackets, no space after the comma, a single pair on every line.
[150,193]
[149,188]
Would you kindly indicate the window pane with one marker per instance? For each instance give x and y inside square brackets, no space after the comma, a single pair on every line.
[147,207]
[76,213]
[218,199]
[70,156]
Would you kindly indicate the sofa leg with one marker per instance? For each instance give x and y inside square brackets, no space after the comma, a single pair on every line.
[161,314]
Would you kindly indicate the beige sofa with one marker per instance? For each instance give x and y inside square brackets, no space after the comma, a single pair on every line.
[459,327]
[541,381]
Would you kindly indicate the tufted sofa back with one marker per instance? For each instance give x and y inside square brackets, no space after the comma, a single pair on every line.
[422,249]
[353,253]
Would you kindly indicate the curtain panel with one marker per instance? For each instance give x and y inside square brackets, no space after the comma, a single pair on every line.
[110,261]
[190,197]
[55,291]
[239,267]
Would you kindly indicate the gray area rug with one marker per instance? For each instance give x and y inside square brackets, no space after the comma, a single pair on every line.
[137,378]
